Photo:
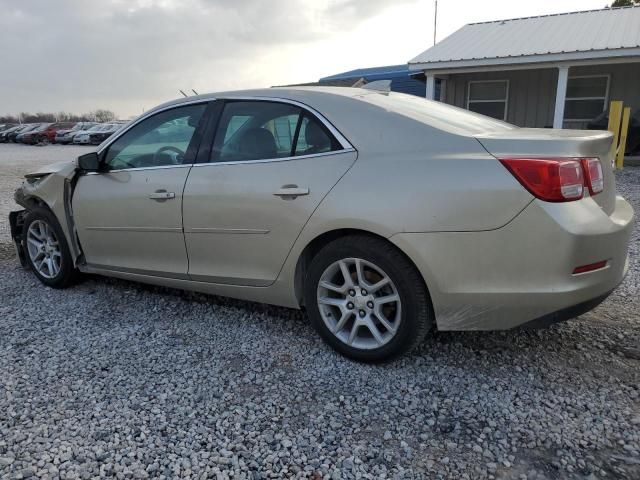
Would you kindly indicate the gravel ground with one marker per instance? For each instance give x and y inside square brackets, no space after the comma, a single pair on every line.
[112,378]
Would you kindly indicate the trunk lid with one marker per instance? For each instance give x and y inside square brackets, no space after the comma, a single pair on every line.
[547,143]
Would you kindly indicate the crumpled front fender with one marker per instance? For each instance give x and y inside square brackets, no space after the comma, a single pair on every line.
[52,187]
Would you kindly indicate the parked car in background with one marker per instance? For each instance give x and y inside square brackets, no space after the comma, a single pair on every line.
[66,136]
[84,137]
[48,135]
[31,137]
[97,134]
[601,122]
[6,131]
[99,137]
[12,137]
[6,126]
[424,217]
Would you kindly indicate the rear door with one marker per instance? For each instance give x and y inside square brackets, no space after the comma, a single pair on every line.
[129,217]
[270,165]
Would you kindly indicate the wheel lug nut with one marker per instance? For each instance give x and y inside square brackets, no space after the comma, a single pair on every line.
[370,304]
[362,313]
[352,293]
[363,291]
[350,306]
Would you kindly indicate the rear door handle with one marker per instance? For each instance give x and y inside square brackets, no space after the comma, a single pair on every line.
[162,195]
[291,191]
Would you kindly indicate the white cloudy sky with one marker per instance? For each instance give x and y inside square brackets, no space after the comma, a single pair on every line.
[128,55]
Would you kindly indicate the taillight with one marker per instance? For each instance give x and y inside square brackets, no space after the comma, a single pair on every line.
[557,179]
[593,175]
[552,180]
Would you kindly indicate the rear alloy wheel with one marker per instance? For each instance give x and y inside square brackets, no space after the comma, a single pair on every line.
[47,250]
[366,299]
[359,303]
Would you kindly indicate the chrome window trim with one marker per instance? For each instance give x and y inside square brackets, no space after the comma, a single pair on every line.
[235,162]
[269,160]
[137,169]
[344,143]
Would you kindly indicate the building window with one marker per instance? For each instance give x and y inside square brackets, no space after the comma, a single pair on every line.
[586,97]
[489,97]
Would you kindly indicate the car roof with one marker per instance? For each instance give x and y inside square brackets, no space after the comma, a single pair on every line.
[293,93]
[397,115]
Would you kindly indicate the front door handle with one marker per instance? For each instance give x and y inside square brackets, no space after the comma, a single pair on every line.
[162,195]
[291,191]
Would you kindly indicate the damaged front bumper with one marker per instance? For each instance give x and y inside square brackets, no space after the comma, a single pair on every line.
[16,221]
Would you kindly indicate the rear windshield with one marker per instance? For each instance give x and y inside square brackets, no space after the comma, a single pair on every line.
[439,115]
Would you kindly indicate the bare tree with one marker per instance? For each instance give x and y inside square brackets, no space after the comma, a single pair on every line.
[104,115]
[625,3]
[9,119]
[100,115]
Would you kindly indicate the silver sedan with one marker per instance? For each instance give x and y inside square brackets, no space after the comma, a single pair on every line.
[384,215]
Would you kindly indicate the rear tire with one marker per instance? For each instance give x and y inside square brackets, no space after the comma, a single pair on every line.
[365,285]
[46,249]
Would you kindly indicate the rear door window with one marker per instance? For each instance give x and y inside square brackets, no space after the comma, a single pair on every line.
[264,130]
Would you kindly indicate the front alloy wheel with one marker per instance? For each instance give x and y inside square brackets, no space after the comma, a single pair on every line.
[44,249]
[47,251]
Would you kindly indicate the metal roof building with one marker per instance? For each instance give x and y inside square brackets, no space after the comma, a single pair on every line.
[401,81]
[539,71]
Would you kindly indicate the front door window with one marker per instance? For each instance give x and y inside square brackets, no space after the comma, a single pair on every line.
[160,140]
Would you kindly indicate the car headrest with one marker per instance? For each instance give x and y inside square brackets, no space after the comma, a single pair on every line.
[257,143]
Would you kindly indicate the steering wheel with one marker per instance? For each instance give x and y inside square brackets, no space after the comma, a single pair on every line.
[166,148]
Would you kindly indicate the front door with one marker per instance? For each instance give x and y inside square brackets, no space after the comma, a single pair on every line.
[270,166]
[129,216]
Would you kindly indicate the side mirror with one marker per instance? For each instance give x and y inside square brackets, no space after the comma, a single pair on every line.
[89,162]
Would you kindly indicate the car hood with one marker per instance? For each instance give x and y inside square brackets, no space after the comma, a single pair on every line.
[61,168]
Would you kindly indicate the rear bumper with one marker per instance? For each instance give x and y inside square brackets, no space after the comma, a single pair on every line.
[505,278]
[565,314]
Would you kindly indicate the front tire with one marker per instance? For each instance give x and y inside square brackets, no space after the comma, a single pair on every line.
[366,299]
[46,249]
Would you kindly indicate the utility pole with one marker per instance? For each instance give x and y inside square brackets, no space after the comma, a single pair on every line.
[435,21]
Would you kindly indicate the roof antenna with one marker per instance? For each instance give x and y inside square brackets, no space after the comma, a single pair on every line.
[184,94]
[195,91]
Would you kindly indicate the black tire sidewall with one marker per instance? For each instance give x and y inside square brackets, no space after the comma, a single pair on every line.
[67,270]
[408,283]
